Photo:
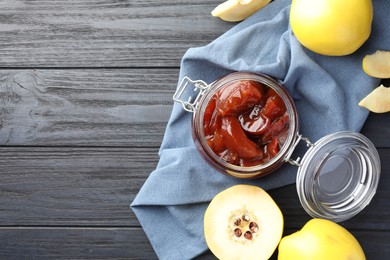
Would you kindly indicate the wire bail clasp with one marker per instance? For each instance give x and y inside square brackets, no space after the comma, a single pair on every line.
[297,162]
[190,104]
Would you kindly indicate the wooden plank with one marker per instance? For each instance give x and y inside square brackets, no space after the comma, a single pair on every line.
[113,107]
[377,129]
[122,243]
[85,107]
[74,243]
[94,187]
[72,186]
[82,33]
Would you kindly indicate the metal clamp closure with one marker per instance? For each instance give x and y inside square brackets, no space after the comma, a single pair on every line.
[188,104]
[296,162]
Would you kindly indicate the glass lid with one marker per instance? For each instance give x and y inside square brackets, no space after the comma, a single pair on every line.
[338,176]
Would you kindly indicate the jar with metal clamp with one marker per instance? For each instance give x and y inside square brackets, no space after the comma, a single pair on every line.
[246,125]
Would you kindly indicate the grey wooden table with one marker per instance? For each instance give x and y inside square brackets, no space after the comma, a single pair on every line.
[85,94]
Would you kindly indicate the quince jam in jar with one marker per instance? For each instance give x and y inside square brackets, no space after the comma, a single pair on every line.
[244,124]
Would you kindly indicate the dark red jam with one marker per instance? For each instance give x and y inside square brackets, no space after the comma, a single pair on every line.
[246,123]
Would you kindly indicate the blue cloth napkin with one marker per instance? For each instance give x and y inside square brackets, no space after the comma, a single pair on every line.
[326,90]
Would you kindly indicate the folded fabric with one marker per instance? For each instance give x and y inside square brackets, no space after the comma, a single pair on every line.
[326,91]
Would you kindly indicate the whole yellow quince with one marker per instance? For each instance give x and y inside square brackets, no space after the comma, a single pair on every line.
[320,239]
[331,27]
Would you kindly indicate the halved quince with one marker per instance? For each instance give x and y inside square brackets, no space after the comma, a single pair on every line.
[378,101]
[243,222]
[377,65]
[238,10]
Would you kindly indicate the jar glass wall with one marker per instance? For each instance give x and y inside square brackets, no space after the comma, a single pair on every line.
[222,165]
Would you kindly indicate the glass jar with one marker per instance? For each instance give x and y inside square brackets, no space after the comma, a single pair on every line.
[338,175]
[207,92]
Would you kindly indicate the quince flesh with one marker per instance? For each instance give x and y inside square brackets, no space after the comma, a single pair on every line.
[377,65]
[320,239]
[378,101]
[331,27]
[238,10]
[243,222]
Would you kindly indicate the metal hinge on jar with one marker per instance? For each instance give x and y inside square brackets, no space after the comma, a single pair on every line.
[297,162]
[191,103]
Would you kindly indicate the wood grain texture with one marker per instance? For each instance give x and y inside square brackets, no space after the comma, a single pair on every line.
[72,186]
[85,107]
[123,243]
[111,33]
[74,243]
[377,129]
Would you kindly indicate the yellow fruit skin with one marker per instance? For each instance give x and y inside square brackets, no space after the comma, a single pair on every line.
[320,239]
[331,27]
